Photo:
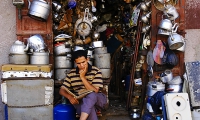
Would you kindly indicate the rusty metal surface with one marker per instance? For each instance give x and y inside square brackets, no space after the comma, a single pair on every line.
[193,76]
[192,12]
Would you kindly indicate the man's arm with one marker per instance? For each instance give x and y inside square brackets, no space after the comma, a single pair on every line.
[64,93]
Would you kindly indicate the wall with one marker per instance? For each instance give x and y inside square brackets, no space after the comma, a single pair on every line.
[7,35]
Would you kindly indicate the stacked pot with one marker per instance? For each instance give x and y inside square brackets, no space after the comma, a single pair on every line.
[38,55]
[63,63]
[102,61]
[18,53]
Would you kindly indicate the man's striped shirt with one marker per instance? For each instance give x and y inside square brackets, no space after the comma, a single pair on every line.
[74,83]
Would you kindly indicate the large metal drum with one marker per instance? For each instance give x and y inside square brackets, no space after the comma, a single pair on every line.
[102,60]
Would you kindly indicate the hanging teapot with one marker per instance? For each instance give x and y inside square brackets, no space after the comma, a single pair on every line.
[171,12]
[145,5]
[19,48]
[175,41]
[145,17]
[39,9]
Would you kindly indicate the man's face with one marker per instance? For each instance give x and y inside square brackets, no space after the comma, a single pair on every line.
[81,62]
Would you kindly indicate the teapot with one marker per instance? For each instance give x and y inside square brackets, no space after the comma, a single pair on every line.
[19,48]
[39,9]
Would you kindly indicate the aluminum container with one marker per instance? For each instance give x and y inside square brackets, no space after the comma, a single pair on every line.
[63,62]
[100,50]
[28,92]
[102,60]
[18,58]
[31,113]
[105,73]
[60,74]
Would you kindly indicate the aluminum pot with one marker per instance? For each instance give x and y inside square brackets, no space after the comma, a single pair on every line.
[100,50]
[39,58]
[63,62]
[39,9]
[154,86]
[105,73]
[97,44]
[102,60]
[60,49]
[166,76]
[18,58]
[176,88]
[60,74]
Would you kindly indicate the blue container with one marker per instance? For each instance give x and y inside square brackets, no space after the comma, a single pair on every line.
[64,111]
[6,112]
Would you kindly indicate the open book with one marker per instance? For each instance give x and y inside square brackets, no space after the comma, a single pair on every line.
[81,95]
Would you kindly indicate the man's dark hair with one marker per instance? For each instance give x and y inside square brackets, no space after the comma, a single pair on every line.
[79,53]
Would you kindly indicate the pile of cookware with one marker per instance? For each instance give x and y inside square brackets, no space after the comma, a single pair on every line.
[168,27]
[62,56]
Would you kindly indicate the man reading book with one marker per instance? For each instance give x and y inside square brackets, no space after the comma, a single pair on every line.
[85,80]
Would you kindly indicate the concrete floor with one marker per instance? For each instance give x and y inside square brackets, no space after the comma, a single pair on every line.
[115,111]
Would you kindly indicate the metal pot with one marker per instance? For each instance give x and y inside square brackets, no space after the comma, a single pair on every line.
[60,74]
[60,49]
[166,76]
[97,44]
[76,48]
[174,88]
[176,80]
[18,48]
[39,58]
[100,50]
[102,60]
[63,62]
[145,5]
[105,73]
[154,86]
[18,58]
[39,9]
[175,41]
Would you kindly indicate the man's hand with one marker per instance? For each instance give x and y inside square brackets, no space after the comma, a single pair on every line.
[73,100]
[83,71]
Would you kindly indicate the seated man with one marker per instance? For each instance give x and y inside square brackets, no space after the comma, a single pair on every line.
[84,78]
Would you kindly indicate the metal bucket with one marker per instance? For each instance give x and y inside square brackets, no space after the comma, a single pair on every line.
[60,74]
[18,59]
[102,60]
[100,50]
[63,62]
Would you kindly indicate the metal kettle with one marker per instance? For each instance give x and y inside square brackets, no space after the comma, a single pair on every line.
[39,9]
[19,48]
